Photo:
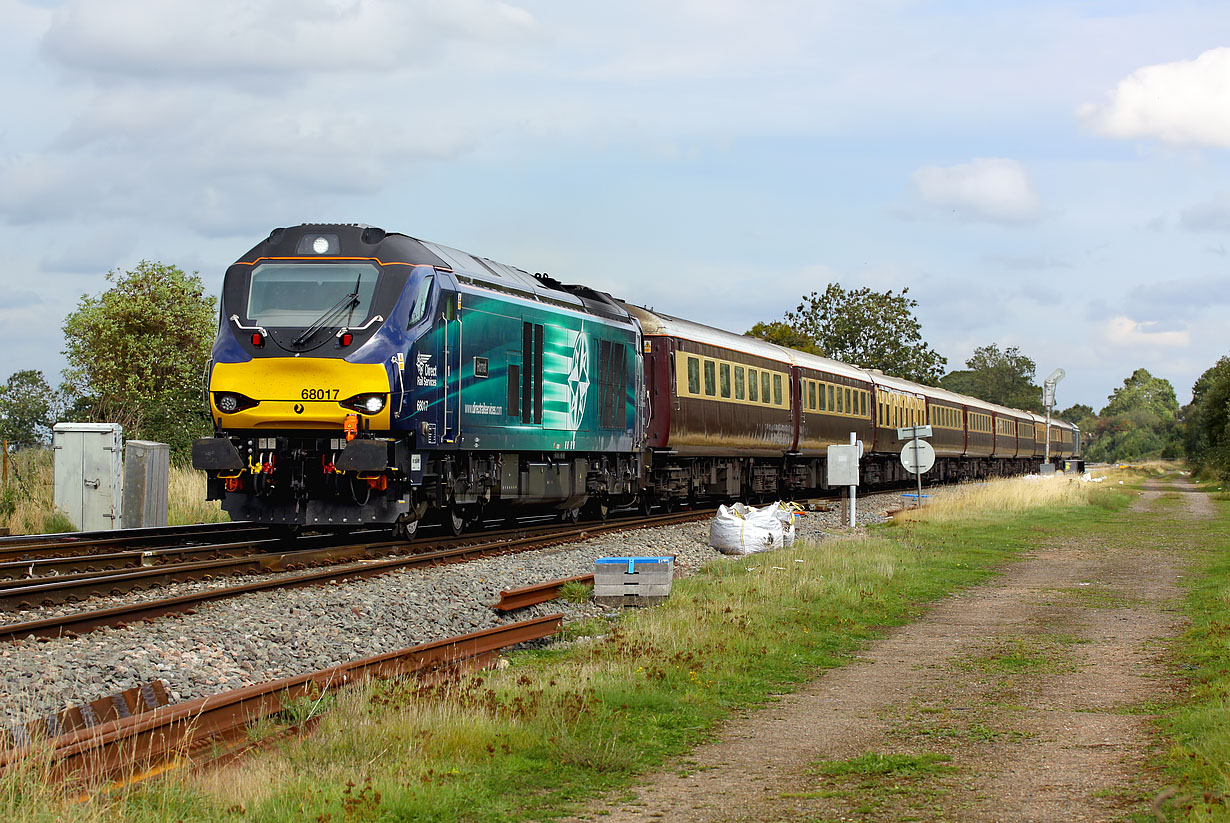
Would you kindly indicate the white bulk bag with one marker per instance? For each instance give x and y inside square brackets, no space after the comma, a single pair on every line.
[742,530]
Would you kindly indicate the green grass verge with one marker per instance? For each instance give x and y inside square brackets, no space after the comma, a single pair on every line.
[1197,725]
[560,725]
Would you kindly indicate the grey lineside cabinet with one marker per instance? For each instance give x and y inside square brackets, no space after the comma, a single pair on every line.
[147,470]
[89,473]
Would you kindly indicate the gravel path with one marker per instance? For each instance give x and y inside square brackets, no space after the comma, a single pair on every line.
[1065,735]
[264,636]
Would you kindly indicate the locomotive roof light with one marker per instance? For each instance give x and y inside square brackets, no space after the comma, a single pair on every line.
[318,244]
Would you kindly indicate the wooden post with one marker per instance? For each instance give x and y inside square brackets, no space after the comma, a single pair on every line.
[6,461]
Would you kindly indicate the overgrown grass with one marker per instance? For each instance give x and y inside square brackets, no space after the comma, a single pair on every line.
[1198,723]
[27,500]
[590,714]
[1012,495]
[186,501]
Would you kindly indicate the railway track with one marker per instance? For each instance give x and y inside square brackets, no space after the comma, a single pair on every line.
[193,730]
[32,546]
[456,551]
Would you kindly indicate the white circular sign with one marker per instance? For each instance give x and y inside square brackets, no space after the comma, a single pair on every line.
[917,462]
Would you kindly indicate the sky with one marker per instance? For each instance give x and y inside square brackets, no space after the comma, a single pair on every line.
[1051,176]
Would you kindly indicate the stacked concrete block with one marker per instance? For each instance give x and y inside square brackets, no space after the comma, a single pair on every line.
[632,581]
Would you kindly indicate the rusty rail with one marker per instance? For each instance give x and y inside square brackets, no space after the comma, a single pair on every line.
[134,743]
[513,599]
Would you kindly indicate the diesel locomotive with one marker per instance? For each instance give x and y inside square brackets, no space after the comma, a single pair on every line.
[367,377]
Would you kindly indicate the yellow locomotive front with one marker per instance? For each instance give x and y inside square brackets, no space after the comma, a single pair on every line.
[307,377]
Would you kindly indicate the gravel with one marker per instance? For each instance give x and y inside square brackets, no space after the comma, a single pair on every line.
[264,636]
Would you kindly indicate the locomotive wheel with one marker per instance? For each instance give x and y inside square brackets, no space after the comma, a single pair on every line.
[404,530]
[454,521]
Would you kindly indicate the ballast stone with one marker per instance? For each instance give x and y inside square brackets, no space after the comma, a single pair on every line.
[633,581]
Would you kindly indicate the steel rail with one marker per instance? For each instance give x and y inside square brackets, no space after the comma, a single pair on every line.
[29,547]
[166,559]
[513,599]
[81,622]
[140,741]
[56,590]
[60,565]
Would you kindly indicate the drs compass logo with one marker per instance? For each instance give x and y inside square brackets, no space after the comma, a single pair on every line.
[578,381]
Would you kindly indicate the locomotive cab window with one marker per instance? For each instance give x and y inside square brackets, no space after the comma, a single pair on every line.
[303,294]
[422,299]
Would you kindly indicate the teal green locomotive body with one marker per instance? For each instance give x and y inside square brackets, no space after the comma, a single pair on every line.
[364,377]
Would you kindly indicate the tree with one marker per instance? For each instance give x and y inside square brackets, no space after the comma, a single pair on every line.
[1004,377]
[1076,413]
[783,334]
[1206,435]
[875,330]
[1139,422]
[137,352]
[27,409]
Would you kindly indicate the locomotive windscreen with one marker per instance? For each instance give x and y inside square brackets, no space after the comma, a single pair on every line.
[300,294]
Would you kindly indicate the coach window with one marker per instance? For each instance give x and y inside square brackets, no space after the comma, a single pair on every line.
[693,375]
[829,387]
[764,387]
[777,390]
[862,404]
[752,386]
[811,395]
[710,378]
[849,407]
[739,377]
[724,379]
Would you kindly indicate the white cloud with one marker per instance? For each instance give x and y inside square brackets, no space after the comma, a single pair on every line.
[1211,215]
[1184,103]
[1124,331]
[994,189]
[230,38]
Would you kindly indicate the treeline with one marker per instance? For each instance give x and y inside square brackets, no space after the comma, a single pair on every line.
[136,354]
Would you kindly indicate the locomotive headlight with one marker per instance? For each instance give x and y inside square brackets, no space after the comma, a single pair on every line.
[368,403]
[231,402]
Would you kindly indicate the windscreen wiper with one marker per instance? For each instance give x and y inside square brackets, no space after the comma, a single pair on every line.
[348,302]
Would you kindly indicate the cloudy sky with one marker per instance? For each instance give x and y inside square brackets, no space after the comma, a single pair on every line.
[1051,176]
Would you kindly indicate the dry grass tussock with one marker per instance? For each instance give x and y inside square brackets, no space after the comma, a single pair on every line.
[1008,495]
[27,500]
